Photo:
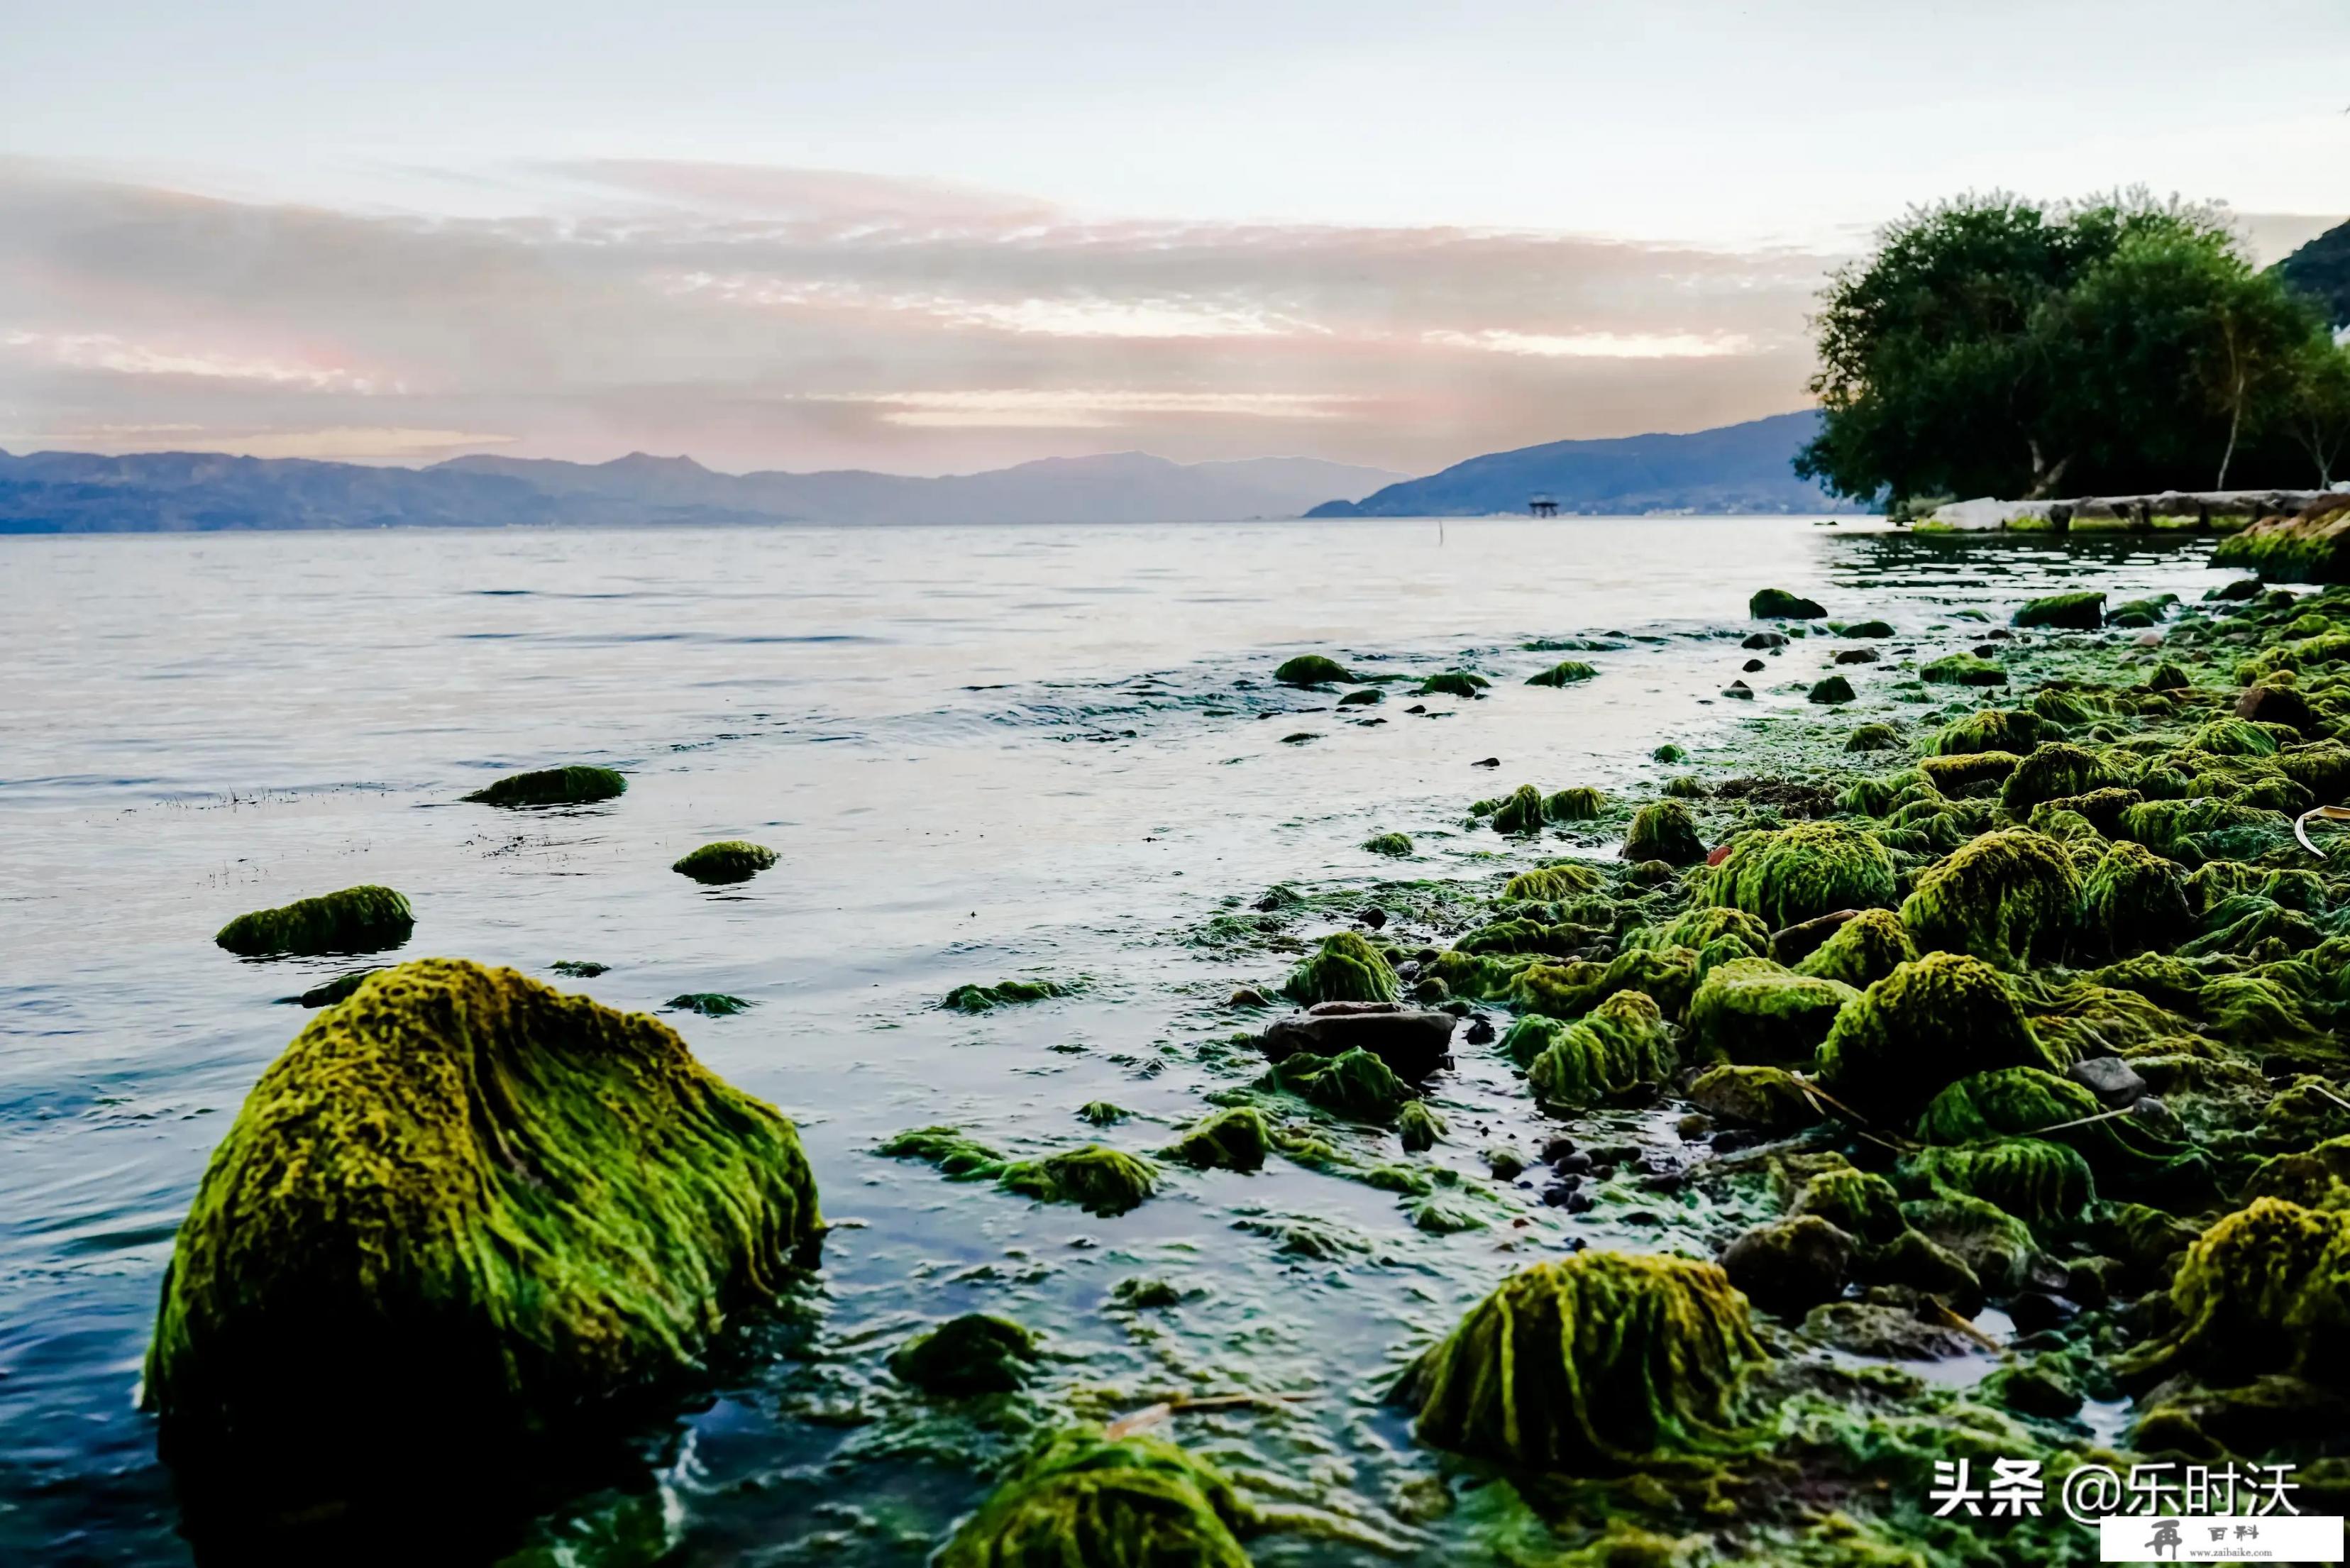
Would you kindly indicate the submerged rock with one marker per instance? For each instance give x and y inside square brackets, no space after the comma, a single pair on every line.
[1004,994]
[1418,1127]
[1567,672]
[1312,669]
[1598,1361]
[1083,1499]
[1234,1139]
[2074,612]
[974,1353]
[1414,1041]
[355,921]
[1099,1179]
[573,786]
[728,860]
[331,992]
[473,1208]
[1454,683]
[709,1003]
[1355,1083]
[1394,844]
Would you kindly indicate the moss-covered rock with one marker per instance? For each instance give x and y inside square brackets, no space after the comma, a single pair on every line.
[1418,1127]
[1595,1361]
[1097,1178]
[355,921]
[728,860]
[573,786]
[1860,1203]
[1579,803]
[475,1207]
[1962,670]
[1083,1499]
[1872,738]
[2071,612]
[1801,872]
[2004,897]
[708,1004]
[1664,830]
[1554,883]
[1522,813]
[974,1353]
[1619,1043]
[1753,1010]
[1352,1084]
[1778,604]
[1312,669]
[1234,1139]
[1454,683]
[1394,844]
[2265,1290]
[1789,1265]
[1345,968]
[978,999]
[2133,900]
[1861,951]
[2054,770]
[1771,1098]
[1922,1027]
[958,1156]
[1991,730]
[1969,773]
[2040,1183]
[1565,672]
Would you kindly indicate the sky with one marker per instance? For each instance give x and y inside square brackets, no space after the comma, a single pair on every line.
[936,237]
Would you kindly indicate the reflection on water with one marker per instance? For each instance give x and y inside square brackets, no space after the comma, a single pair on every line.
[981,752]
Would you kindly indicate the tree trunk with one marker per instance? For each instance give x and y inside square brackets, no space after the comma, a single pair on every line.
[2235,423]
[2044,477]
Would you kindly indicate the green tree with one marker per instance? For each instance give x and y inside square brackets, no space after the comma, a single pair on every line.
[1991,347]
[2318,415]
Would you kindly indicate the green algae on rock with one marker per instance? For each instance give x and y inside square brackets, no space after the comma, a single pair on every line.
[327,992]
[2040,1183]
[1801,872]
[1353,1083]
[958,1156]
[1591,1363]
[708,1004]
[1565,672]
[1418,1127]
[572,785]
[1084,1499]
[1664,830]
[1988,730]
[1234,1139]
[2267,1289]
[1860,1203]
[2071,612]
[1454,683]
[1755,1012]
[1097,1178]
[1394,844]
[357,919]
[2054,770]
[727,860]
[1577,802]
[2005,898]
[1005,993]
[1521,813]
[1962,670]
[1616,1045]
[2133,900]
[1872,738]
[484,1208]
[1312,669]
[1861,951]
[1778,604]
[1559,880]
[977,1352]
[1922,1027]
[1345,968]
[1771,1098]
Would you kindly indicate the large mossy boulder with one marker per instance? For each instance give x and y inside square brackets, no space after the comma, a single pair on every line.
[2312,547]
[2133,901]
[1922,1027]
[1591,1362]
[2005,898]
[1083,1499]
[464,1208]
[2071,612]
[573,786]
[1617,1044]
[1234,1139]
[1992,730]
[2266,1290]
[1353,1083]
[1097,1178]
[1802,872]
[355,920]
[2054,770]
[1345,968]
[1862,951]
[1760,1013]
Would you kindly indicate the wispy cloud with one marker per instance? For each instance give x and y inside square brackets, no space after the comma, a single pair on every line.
[800,318]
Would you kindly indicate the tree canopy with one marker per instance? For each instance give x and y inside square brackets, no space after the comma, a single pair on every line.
[1993,347]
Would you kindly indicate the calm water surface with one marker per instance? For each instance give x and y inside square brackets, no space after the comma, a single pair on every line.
[981,752]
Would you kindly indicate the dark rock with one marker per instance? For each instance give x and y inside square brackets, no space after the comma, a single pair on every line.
[1765,639]
[2269,704]
[1486,762]
[1480,1030]
[1751,665]
[1855,656]
[1580,1203]
[2110,1078]
[1791,1265]
[1878,1328]
[1373,918]
[1922,1264]
[2033,1311]
[1413,1042]
[1556,1150]
[2150,1110]
[1574,1162]
[1795,944]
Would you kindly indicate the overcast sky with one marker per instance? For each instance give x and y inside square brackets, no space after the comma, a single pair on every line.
[931,237]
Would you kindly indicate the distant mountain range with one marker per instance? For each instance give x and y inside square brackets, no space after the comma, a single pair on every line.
[75,492]
[2321,269]
[1734,468]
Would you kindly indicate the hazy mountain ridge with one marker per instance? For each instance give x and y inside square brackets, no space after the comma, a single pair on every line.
[190,492]
[1741,468]
[2321,269]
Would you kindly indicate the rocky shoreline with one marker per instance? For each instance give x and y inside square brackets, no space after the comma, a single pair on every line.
[1991,1005]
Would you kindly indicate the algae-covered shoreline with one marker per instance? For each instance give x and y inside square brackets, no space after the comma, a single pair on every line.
[1283,1238]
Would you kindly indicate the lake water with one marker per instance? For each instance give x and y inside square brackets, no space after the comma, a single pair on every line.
[981,752]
